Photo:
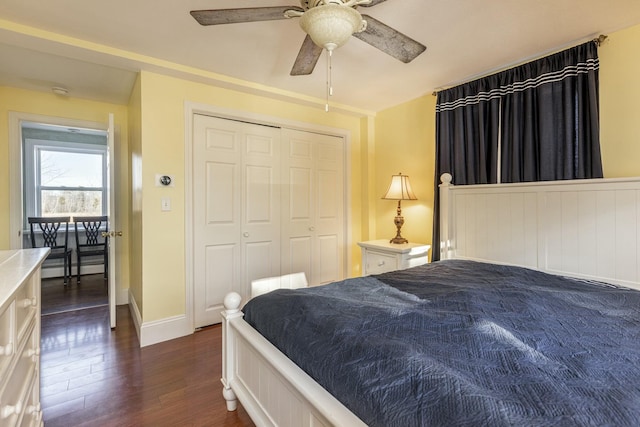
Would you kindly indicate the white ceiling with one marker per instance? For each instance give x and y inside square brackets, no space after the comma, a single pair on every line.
[112,40]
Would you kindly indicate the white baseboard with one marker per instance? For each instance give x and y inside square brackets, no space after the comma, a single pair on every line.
[164,330]
[135,314]
[157,331]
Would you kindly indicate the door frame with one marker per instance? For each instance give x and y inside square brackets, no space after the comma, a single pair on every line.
[15,177]
[192,108]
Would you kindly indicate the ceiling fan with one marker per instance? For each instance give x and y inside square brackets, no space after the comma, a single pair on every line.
[328,24]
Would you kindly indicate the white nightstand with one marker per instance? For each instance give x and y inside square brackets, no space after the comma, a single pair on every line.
[380,256]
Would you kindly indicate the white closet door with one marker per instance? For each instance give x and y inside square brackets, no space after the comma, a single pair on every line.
[236,194]
[313,206]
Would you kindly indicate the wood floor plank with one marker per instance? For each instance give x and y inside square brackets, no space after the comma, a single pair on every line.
[93,376]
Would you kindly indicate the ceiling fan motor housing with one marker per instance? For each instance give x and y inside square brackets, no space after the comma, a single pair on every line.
[331,25]
[309,4]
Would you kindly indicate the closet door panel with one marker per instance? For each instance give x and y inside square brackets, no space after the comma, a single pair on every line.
[298,210]
[329,259]
[261,204]
[236,212]
[219,279]
[299,257]
[220,199]
[259,195]
[257,260]
[330,213]
[313,204]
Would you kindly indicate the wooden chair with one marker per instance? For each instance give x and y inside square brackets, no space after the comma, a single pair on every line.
[288,281]
[44,233]
[93,244]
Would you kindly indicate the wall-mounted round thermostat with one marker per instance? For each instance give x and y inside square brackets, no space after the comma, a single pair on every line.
[165,180]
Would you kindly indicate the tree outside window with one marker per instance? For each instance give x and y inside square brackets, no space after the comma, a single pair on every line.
[69,182]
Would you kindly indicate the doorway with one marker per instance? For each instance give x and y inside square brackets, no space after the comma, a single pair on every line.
[60,168]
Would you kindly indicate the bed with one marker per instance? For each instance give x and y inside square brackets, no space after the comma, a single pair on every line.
[499,336]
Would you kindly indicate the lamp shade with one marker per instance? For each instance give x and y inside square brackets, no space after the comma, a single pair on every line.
[331,25]
[400,189]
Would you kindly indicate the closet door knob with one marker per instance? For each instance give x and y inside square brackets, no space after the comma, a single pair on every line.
[245,234]
[312,229]
[6,349]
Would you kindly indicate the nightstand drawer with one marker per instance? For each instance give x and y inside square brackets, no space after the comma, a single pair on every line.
[377,263]
[381,256]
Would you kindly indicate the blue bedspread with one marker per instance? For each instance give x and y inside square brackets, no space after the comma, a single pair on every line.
[461,343]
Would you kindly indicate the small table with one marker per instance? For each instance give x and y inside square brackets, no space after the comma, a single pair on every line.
[380,256]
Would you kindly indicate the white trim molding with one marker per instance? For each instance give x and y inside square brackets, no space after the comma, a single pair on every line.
[135,314]
[157,331]
[164,330]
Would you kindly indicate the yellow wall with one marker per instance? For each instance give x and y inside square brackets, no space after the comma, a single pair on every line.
[619,103]
[18,100]
[405,142]
[163,133]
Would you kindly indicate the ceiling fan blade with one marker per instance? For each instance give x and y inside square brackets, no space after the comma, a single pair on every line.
[234,16]
[307,58]
[390,41]
[373,3]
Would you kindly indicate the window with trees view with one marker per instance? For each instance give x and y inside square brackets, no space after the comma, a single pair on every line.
[65,178]
[69,183]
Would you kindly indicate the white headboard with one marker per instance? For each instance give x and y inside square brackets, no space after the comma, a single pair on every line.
[582,228]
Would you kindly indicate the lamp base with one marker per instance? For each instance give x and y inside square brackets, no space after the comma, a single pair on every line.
[399,222]
[398,240]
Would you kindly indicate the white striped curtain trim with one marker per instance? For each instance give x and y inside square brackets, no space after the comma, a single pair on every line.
[569,71]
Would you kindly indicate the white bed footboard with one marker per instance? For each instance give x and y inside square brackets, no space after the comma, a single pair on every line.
[272,389]
[582,228]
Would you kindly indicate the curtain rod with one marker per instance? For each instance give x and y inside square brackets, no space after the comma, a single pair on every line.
[598,41]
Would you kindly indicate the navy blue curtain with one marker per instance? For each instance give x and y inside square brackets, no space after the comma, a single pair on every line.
[535,122]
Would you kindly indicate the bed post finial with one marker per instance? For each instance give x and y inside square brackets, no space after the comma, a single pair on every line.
[232,302]
[446,178]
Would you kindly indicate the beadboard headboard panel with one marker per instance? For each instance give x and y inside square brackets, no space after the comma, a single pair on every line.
[581,228]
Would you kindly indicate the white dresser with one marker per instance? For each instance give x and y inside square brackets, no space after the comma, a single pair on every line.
[20,337]
[380,256]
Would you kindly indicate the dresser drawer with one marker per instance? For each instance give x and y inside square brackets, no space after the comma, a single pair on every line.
[26,306]
[378,262]
[18,389]
[7,338]
[32,412]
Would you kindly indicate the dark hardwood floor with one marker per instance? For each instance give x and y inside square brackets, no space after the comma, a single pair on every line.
[57,298]
[93,376]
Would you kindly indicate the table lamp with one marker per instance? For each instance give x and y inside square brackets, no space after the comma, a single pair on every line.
[399,189]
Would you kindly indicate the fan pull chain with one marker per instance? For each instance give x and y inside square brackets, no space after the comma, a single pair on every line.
[329,82]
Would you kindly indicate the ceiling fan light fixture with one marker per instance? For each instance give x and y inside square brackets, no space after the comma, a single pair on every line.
[331,25]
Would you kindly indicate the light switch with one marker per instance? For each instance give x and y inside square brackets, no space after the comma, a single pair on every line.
[166,204]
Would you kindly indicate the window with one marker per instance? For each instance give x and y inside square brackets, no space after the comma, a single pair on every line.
[64,178]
